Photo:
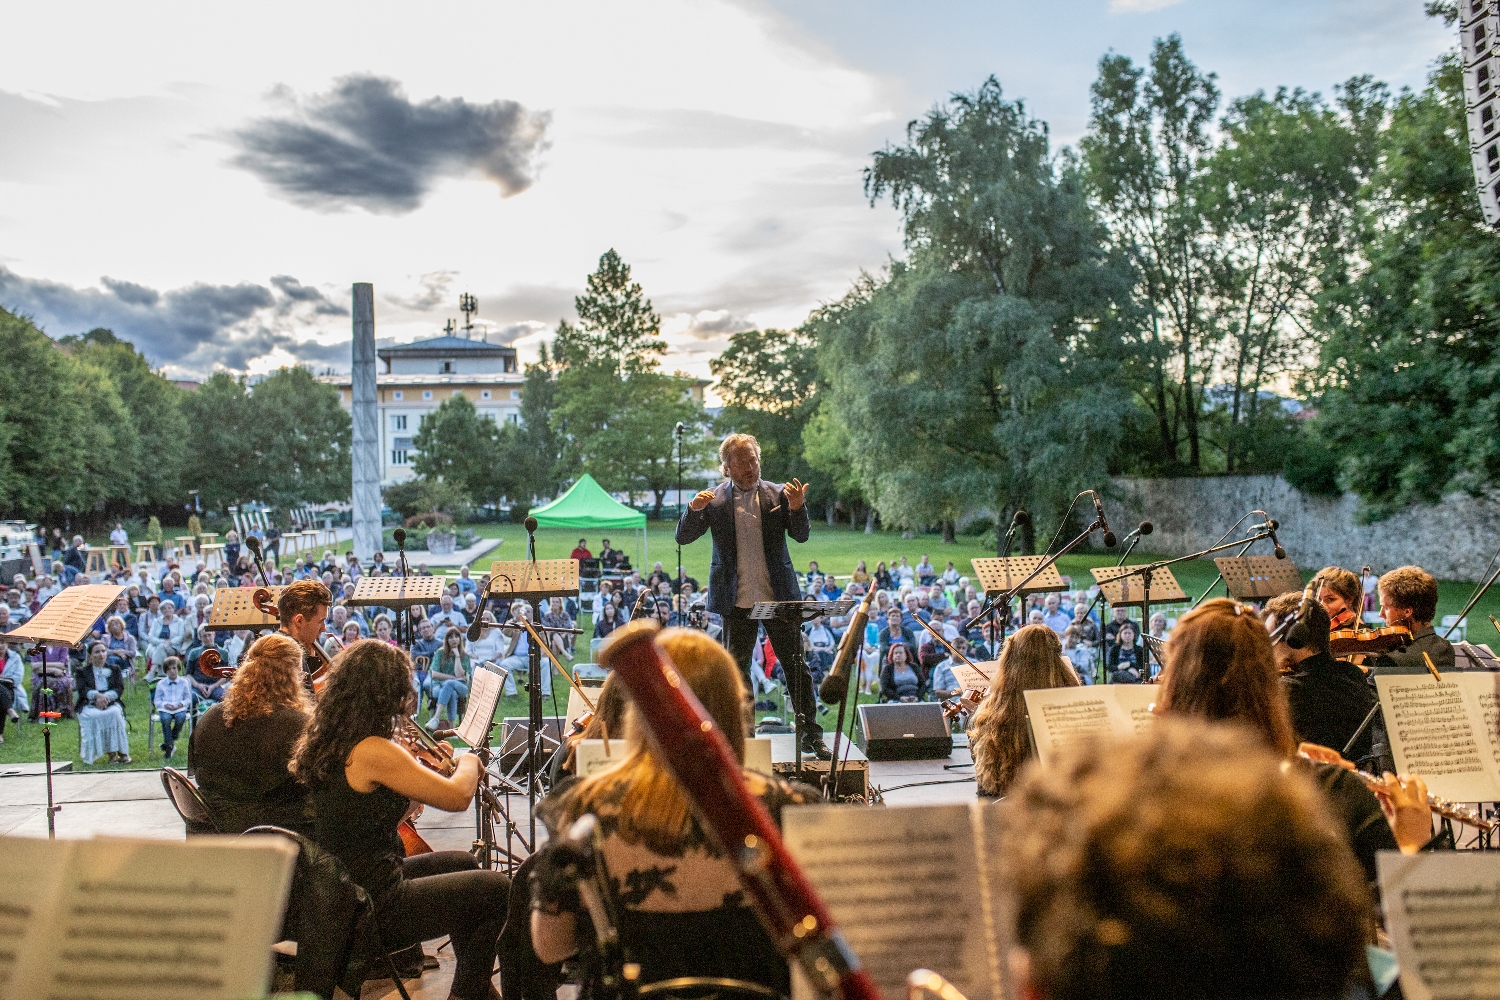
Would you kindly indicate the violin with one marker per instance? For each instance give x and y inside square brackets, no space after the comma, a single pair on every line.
[211,664]
[1349,642]
[261,599]
[967,701]
[430,754]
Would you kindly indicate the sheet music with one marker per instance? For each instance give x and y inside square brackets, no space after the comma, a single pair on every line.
[33,870]
[980,675]
[1439,909]
[159,920]
[1061,716]
[865,872]
[485,686]
[1447,732]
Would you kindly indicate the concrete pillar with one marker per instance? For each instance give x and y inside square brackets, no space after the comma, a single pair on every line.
[366,451]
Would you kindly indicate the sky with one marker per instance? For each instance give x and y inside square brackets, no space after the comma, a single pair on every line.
[208,180]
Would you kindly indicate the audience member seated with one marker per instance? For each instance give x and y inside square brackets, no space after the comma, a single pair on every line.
[172,699]
[52,683]
[895,631]
[1079,654]
[205,686]
[120,644]
[1181,863]
[1000,730]
[518,644]
[900,676]
[169,636]
[926,574]
[449,681]
[820,645]
[101,716]
[241,747]
[1124,661]
[943,681]
[607,620]
[447,616]
[1053,616]
[557,617]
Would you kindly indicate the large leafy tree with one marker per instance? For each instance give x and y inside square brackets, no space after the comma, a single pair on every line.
[979,371]
[1409,377]
[1145,153]
[768,380]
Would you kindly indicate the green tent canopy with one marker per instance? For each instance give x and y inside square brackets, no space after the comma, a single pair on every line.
[588,508]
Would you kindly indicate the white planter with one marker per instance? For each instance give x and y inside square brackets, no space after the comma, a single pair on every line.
[441,543]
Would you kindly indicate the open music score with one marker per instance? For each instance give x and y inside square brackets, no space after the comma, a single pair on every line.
[69,616]
[1121,587]
[533,580]
[234,610]
[397,592]
[997,575]
[1257,578]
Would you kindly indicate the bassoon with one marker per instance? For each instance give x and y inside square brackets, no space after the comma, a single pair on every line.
[693,748]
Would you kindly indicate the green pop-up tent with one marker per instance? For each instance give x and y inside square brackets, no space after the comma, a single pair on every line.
[587,507]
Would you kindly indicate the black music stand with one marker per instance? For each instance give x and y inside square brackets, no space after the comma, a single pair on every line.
[799,612]
[533,581]
[65,620]
[1140,586]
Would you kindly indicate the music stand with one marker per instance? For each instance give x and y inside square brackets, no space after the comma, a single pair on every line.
[65,620]
[234,610]
[1143,586]
[997,576]
[799,612]
[1257,578]
[399,593]
[533,581]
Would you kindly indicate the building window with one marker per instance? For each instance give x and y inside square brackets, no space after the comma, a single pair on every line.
[398,457]
[514,418]
[398,422]
[515,394]
[458,392]
[399,394]
[510,364]
[447,368]
[426,393]
[484,394]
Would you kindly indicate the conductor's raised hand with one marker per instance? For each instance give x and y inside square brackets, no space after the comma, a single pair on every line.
[796,494]
[703,499]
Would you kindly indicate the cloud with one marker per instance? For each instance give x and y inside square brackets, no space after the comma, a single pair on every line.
[1140,6]
[365,144]
[433,290]
[706,324]
[190,330]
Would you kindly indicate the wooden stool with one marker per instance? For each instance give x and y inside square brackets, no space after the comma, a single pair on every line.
[187,547]
[213,555]
[329,537]
[145,552]
[95,561]
[120,554]
[291,543]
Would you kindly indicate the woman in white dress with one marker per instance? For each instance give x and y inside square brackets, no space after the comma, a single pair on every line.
[101,717]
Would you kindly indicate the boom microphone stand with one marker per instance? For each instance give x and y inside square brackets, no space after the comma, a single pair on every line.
[1005,597]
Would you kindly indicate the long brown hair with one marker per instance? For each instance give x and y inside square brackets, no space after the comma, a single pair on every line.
[652,807]
[1000,735]
[368,687]
[1220,666]
[269,678]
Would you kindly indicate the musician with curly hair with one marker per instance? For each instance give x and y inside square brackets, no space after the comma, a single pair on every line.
[1000,733]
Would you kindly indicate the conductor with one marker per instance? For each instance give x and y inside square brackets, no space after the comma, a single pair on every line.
[750,519]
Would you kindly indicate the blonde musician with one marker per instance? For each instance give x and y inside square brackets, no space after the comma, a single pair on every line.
[683,911]
[1409,597]
[363,784]
[1000,734]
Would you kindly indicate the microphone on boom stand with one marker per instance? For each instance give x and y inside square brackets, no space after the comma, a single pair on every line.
[1109,536]
[1141,530]
[1270,528]
[403,615]
[253,544]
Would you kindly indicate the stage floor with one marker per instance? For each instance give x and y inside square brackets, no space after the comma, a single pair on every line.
[133,804]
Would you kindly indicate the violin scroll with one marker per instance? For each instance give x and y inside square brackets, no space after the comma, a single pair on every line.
[261,599]
[211,664]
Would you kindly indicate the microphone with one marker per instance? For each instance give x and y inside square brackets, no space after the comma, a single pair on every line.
[1146,528]
[530,524]
[1270,528]
[477,627]
[400,536]
[640,601]
[253,544]
[1109,536]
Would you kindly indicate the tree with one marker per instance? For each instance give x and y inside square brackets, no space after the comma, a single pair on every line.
[614,411]
[454,444]
[1145,154]
[980,371]
[305,439]
[151,454]
[1408,383]
[220,460]
[1279,195]
[536,453]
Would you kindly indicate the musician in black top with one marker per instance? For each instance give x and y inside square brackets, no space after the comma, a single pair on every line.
[1329,698]
[750,519]
[363,784]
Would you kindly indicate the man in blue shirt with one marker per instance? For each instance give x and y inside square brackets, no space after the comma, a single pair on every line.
[172,698]
[1054,617]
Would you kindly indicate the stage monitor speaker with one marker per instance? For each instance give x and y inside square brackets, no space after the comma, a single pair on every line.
[513,740]
[904,731]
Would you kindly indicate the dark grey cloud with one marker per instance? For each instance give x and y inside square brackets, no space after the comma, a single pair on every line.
[191,330]
[365,144]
